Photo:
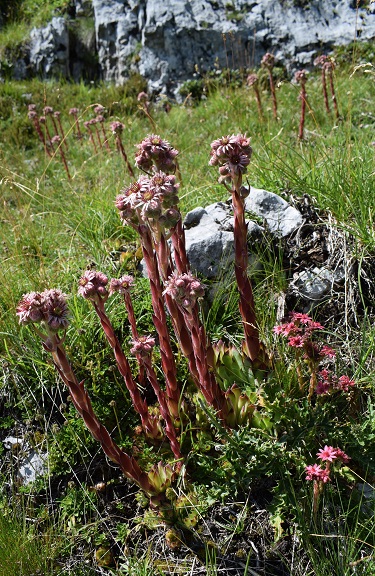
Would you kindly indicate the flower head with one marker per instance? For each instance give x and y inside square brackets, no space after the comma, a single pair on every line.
[153,150]
[56,310]
[99,109]
[252,79]
[47,110]
[300,77]
[92,285]
[30,308]
[73,111]
[123,285]
[316,472]
[345,383]
[185,289]
[268,60]
[320,60]
[143,345]
[232,154]
[49,307]
[117,127]
[328,453]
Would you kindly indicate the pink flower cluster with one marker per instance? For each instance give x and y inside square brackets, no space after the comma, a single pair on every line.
[327,454]
[93,285]
[153,150]
[150,198]
[232,154]
[49,307]
[185,289]
[299,331]
[268,60]
[143,346]
[122,285]
[328,382]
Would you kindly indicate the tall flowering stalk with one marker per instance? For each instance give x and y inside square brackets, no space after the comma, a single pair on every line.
[143,347]
[185,290]
[301,78]
[93,287]
[117,129]
[57,115]
[48,313]
[319,62]
[320,476]
[268,62]
[74,112]
[329,67]
[252,81]
[232,155]
[56,140]
[33,116]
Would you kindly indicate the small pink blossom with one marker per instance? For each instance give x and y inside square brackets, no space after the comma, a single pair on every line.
[185,289]
[143,346]
[93,284]
[316,472]
[328,453]
[345,383]
[296,341]
[302,318]
[30,308]
[328,352]
[342,456]
[117,127]
[252,79]
[123,285]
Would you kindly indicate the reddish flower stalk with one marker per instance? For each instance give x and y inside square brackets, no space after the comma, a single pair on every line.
[160,321]
[124,285]
[143,347]
[184,289]
[145,106]
[93,287]
[232,155]
[268,61]
[301,78]
[49,310]
[329,67]
[74,112]
[57,115]
[87,125]
[48,138]
[117,129]
[100,120]
[57,140]
[34,117]
[320,61]
[252,80]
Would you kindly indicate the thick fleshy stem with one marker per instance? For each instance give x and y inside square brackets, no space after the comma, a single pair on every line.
[178,241]
[332,86]
[268,61]
[121,149]
[139,404]
[57,115]
[246,305]
[170,430]
[325,93]
[34,117]
[177,317]
[82,403]
[301,78]
[160,321]
[214,396]
[92,140]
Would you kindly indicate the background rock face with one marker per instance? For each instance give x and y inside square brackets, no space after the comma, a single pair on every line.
[168,40]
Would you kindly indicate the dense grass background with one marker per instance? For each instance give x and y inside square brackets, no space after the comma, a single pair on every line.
[52,228]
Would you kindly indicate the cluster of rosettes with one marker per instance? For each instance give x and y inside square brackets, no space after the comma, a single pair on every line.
[185,290]
[299,331]
[92,285]
[154,151]
[49,307]
[232,154]
[268,60]
[152,198]
[327,454]
[328,382]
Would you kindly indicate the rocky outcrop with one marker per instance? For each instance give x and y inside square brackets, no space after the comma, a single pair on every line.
[168,41]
